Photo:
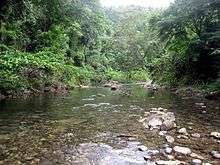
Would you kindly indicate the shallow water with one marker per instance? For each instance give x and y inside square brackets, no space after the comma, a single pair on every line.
[46,129]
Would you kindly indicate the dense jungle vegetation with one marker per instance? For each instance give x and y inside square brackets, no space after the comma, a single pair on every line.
[73,42]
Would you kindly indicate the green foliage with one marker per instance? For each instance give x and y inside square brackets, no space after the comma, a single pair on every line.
[189,30]
[43,43]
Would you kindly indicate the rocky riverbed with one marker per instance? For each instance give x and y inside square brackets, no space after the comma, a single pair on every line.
[103,126]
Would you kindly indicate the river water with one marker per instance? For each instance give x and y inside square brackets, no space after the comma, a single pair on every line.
[62,129]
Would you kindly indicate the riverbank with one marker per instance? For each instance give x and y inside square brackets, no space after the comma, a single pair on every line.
[185,92]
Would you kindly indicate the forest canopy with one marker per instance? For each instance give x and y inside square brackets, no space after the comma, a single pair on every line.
[73,42]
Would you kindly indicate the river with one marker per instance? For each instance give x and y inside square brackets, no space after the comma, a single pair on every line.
[93,125]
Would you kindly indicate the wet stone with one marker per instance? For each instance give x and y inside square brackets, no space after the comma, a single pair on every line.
[174,162]
[183,131]
[182,150]
[169,139]
[215,135]
[196,135]
[194,155]
[215,154]
[196,162]
[168,150]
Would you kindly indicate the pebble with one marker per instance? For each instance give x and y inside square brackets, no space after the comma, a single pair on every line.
[182,137]
[162,133]
[170,162]
[169,139]
[196,161]
[215,134]
[200,104]
[194,155]
[168,125]
[170,157]
[215,154]
[196,135]
[183,131]
[182,150]
[168,150]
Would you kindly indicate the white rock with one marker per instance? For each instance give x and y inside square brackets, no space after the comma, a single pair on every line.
[194,155]
[183,131]
[200,104]
[169,139]
[196,135]
[196,161]
[141,120]
[163,162]
[168,150]
[182,137]
[215,154]
[168,125]
[182,150]
[216,135]
[155,122]
[162,133]
[170,157]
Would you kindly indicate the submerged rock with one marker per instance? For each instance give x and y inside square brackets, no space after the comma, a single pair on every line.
[92,153]
[2,97]
[182,150]
[100,95]
[114,88]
